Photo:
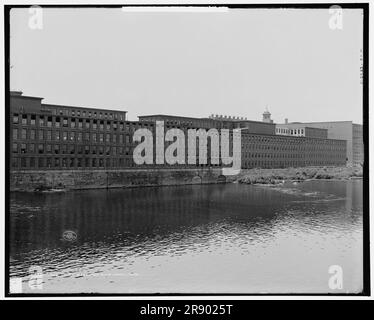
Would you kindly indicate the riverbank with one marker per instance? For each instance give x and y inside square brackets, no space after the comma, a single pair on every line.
[275,176]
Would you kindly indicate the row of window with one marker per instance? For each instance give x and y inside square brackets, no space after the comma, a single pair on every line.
[70,162]
[322,155]
[57,122]
[68,149]
[299,148]
[71,136]
[250,138]
[84,113]
[284,164]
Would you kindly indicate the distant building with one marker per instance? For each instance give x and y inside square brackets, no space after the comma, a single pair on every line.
[343,130]
[218,122]
[262,147]
[300,130]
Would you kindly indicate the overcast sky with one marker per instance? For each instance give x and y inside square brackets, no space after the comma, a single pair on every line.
[193,64]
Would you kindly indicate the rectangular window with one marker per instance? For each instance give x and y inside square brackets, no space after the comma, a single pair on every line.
[41,135]
[15,118]
[41,121]
[41,148]
[57,149]
[49,148]
[49,122]
[31,148]
[15,148]
[107,137]
[57,135]
[24,119]
[32,134]
[65,122]
[15,134]
[57,122]
[49,135]
[72,123]
[64,136]
[72,136]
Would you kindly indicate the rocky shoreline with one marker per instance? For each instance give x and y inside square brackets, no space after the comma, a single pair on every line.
[276,176]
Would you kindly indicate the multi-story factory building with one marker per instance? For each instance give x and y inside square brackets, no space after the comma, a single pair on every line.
[341,130]
[54,137]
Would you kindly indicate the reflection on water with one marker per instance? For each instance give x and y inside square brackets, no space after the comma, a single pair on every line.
[210,238]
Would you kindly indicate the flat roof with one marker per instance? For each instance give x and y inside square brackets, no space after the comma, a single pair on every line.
[300,125]
[210,119]
[171,116]
[24,97]
[86,108]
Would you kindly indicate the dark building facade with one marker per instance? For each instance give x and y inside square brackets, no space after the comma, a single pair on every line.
[55,137]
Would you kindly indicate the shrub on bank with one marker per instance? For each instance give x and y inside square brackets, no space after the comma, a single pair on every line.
[275,176]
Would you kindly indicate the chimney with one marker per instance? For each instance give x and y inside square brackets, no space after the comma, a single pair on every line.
[286,121]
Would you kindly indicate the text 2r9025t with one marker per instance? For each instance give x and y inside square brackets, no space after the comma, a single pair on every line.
[207,309]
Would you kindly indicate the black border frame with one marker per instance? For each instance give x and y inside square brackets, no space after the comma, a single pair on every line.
[366,221]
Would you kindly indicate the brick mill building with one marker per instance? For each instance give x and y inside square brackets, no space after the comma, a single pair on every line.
[55,137]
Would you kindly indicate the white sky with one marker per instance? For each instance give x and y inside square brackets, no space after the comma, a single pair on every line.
[193,64]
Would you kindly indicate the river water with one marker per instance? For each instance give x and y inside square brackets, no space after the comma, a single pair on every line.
[229,238]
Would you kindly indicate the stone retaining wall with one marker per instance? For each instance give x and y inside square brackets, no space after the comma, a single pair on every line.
[81,179]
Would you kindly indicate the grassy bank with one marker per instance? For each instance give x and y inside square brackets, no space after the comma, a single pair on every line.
[274,176]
